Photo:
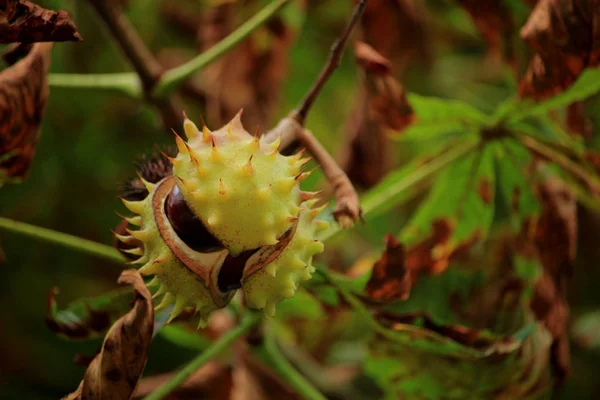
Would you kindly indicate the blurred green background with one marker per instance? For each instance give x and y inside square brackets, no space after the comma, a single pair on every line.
[90,139]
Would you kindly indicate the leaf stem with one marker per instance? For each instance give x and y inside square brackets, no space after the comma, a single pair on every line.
[126,83]
[171,79]
[249,320]
[62,239]
[287,371]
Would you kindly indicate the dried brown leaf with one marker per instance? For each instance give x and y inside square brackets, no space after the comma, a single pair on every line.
[383,107]
[23,96]
[555,239]
[390,280]
[250,76]
[114,373]
[565,35]
[26,22]
[494,21]
[577,123]
[396,29]
[370,60]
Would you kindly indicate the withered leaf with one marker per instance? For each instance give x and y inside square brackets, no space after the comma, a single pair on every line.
[577,123]
[382,108]
[494,21]
[564,36]
[251,75]
[26,22]
[397,30]
[390,280]
[555,239]
[23,95]
[114,373]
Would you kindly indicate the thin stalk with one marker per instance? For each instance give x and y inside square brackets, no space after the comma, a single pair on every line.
[249,320]
[287,371]
[62,239]
[171,79]
[126,83]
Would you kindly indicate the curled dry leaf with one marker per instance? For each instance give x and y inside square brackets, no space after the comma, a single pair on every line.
[577,123]
[390,280]
[555,240]
[494,21]
[434,253]
[382,108]
[397,30]
[564,36]
[23,96]
[26,22]
[114,373]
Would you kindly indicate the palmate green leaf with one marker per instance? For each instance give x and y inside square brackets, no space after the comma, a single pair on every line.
[438,118]
[432,294]
[514,183]
[586,85]
[519,370]
[401,184]
[463,196]
[510,362]
[398,183]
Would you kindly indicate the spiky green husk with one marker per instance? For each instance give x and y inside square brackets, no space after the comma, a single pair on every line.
[280,278]
[178,284]
[245,192]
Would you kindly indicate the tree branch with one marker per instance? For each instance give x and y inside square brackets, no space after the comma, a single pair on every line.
[291,130]
[347,208]
[335,55]
[146,66]
[127,83]
[62,239]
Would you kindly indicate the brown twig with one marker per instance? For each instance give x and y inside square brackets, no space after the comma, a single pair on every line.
[335,55]
[291,130]
[347,208]
[145,64]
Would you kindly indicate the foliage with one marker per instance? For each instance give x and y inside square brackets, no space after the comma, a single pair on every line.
[472,158]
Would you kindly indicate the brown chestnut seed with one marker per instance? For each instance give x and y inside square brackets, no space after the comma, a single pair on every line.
[188,227]
[232,270]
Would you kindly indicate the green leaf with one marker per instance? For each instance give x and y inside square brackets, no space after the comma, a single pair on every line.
[87,319]
[90,318]
[436,118]
[432,294]
[516,194]
[404,372]
[586,85]
[463,195]
[395,187]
